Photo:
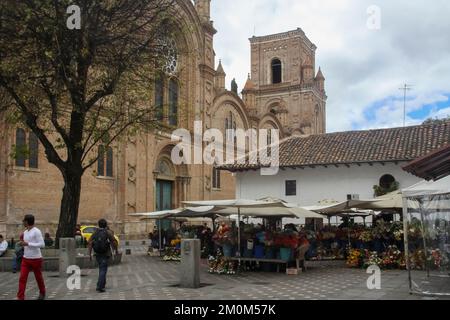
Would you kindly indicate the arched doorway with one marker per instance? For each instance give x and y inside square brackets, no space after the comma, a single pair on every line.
[171,185]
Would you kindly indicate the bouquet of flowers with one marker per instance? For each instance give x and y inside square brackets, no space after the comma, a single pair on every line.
[391,257]
[398,235]
[224,235]
[417,260]
[355,258]
[381,230]
[436,258]
[414,228]
[172,254]
[372,260]
[287,240]
[175,242]
[221,265]
[366,236]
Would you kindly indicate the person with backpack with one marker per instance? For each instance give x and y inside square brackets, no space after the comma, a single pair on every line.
[101,242]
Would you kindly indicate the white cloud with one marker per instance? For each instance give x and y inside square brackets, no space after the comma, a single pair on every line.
[361,66]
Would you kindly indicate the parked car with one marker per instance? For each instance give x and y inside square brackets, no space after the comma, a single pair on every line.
[88,231]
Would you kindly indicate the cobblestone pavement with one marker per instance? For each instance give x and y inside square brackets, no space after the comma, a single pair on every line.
[141,277]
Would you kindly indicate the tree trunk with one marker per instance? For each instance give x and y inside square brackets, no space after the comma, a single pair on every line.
[70,203]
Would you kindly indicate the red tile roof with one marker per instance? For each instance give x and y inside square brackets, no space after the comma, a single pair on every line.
[351,147]
[432,166]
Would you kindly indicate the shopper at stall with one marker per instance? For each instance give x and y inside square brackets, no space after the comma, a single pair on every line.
[303,247]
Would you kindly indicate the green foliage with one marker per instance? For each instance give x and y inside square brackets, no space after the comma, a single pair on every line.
[436,120]
[380,191]
[76,89]
[19,151]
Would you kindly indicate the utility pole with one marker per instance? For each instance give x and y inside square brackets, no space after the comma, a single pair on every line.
[405,88]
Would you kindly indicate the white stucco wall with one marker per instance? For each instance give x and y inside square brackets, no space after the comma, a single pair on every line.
[320,183]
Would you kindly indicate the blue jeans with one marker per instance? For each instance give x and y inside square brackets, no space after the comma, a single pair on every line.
[102,270]
[16,263]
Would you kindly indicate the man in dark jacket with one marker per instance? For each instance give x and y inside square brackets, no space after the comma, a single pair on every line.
[101,241]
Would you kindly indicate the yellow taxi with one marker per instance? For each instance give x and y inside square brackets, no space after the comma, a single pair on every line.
[88,231]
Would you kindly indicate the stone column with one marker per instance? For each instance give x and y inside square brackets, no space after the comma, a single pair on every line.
[190,264]
[67,255]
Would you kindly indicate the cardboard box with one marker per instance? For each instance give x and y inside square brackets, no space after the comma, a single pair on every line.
[293,271]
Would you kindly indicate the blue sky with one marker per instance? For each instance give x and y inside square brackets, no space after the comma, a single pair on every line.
[364,68]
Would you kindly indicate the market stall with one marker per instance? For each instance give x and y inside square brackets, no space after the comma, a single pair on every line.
[427,241]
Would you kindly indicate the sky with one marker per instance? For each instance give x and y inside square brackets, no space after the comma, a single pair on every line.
[365,56]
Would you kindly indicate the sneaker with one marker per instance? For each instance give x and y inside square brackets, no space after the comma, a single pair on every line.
[41,297]
[100,290]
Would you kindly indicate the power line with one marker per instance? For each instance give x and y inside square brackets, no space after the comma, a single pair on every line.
[405,88]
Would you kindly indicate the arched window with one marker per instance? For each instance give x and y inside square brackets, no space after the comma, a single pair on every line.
[269,137]
[109,162]
[20,147]
[101,161]
[105,162]
[386,181]
[173,102]
[34,151]
[230,124]
[276,71]
[216,178]
[159,98]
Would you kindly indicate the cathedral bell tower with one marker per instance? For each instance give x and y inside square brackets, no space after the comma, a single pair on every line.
[283,82]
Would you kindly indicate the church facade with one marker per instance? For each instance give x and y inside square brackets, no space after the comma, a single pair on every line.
[282,92]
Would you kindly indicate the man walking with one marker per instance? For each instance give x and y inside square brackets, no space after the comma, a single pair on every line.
[32,258]
[101,241]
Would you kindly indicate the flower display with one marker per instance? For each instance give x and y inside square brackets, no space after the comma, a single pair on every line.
[372,259]
[366,236]
[391,257]
[414,229]
[398,235]
[220,265]
[172,254]
[286,240]
[417,260]
[224,236]
[355,258]
[435,258]
[175,242]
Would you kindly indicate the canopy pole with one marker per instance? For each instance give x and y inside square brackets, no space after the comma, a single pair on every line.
[406,240]
[239,237]
[160,237]
[425,249]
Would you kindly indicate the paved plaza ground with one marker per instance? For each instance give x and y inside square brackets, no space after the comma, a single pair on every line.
[141,277]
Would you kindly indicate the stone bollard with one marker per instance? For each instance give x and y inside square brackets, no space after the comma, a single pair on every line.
[67,255]
[190,264]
